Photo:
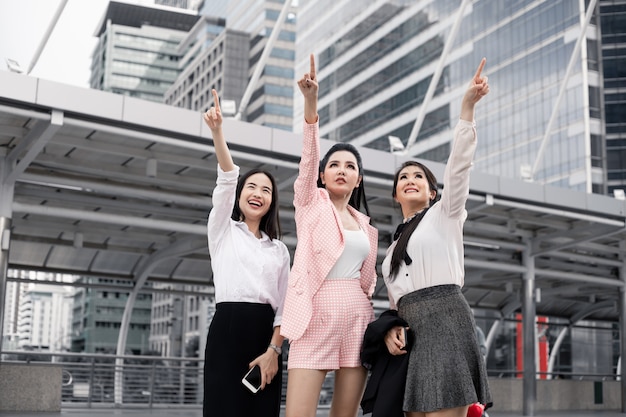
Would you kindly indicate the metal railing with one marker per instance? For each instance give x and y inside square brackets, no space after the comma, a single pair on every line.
[162,382]
[148,381]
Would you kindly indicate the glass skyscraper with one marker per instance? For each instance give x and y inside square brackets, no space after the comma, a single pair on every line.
[375,65]
[271,102]
[138,50]
[613,30]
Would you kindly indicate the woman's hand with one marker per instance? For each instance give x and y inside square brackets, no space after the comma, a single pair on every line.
[477,89]
[309,87]
[268,362]
[394,340]
[213,117]
[308,83]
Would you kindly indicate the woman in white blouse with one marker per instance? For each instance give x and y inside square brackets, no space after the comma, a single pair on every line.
[424,273]
[250,272]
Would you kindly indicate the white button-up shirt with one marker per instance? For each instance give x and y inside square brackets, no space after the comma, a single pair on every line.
[436,245]
[245,269]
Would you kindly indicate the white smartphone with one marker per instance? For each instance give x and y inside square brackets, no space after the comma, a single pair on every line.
[252,380]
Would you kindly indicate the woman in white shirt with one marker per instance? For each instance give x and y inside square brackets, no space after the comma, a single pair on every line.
[250,272]
[424,273]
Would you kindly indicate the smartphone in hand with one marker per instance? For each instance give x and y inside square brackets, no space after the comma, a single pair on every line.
[252,379]
[405,334]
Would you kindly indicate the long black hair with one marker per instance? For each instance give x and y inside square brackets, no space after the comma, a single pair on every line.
[358,194]
[270,223]
[399,252]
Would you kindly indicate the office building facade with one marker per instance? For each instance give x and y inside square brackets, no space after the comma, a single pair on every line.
[217,61]
[97,316]
[182,4]
[271,101]
[612,21]
[10,337]
[138,52]
[376,63]
[179,320]
[44,317]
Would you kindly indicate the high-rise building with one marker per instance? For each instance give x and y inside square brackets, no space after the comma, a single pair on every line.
[219,60]
[376,63]
[11,309]
[138,52]
[179,320]
[37,315]
[44,318]
[271,102]
[612,22]
[97,316]
[182,4]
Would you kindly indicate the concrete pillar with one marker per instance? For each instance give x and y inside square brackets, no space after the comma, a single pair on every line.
[529,317]
[5,234]
[6,204]
[622,324]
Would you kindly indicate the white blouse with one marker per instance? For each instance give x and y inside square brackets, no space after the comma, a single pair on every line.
[436,245]
[245,269]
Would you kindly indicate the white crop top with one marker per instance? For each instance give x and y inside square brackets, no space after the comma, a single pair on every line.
[354,253]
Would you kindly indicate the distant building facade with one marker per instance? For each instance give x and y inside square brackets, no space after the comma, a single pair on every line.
[181,4]
[217,62]
[179,321]
[97,316]
[37,316]
[138,53]
[271,101]
[11,309]
[375,64]
[44,320]
[612,22]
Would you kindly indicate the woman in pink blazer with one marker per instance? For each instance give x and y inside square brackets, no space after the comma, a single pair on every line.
[327,306]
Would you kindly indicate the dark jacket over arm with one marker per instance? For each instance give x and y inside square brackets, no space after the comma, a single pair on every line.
[384,393]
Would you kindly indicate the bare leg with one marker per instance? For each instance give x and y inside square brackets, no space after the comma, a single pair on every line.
[448,412]
[303,392]
[349,387]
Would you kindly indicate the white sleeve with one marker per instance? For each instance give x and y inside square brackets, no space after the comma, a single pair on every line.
[223,200]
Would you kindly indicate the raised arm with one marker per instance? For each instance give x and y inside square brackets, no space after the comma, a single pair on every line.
[223,197]
[213,119]
[477,89]
[305,186]
[309,88]
[456,174]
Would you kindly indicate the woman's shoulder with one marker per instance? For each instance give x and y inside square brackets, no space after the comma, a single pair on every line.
[280,244]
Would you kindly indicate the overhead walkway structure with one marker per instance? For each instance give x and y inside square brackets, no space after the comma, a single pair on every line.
[104,185]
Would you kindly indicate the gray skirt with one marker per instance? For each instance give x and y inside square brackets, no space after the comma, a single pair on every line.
[446,368]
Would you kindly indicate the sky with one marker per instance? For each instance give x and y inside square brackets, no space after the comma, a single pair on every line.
[66,57]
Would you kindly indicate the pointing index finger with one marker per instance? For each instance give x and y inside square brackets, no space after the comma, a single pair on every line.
[480,69]
[216,99]
[312,70]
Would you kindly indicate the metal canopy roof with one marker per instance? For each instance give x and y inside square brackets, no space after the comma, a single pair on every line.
[107,185]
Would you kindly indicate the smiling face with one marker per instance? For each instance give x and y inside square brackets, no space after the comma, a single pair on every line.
[414,188]
[256,197]
[341,174]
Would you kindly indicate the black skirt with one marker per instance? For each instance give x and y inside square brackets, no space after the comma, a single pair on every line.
[238,334]
[446,368]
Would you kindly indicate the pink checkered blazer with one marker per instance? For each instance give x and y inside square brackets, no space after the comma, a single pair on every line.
[320,241]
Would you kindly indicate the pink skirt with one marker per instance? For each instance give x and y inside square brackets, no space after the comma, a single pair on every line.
[341,312]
